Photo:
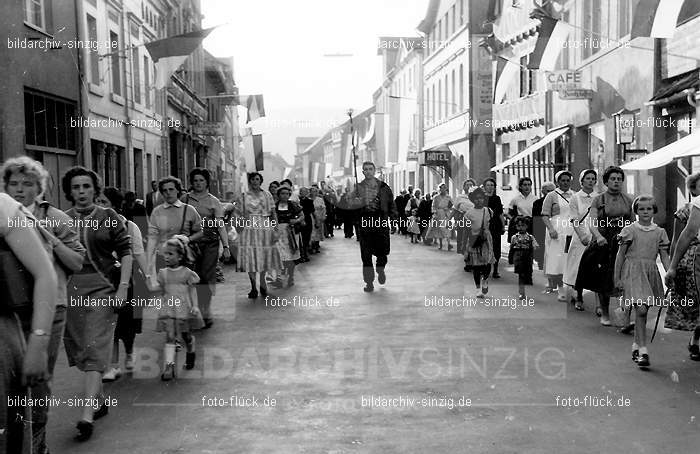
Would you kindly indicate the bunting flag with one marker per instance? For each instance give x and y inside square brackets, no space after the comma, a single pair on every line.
[656,18]
[258,152]
[254,104]
[550,42]
[169,54]
[506,70]
[248,152]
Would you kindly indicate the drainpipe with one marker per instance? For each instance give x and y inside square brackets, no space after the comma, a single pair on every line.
[84,152]
[129,151]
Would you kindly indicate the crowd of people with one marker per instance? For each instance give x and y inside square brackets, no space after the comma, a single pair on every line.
[605,242]
[83,277]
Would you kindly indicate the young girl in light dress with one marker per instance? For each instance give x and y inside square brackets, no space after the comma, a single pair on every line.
[636,271]
[179,312]
[413,227]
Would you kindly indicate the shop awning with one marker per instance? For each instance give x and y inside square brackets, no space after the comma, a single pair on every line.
[546,140]
[687,146]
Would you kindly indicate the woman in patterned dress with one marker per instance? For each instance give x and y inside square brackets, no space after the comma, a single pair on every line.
[442,208]
[257,252]
[683,275]
[289,215]
[319,220]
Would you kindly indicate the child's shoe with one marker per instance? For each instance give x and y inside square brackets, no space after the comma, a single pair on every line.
[168,372]
[635,356]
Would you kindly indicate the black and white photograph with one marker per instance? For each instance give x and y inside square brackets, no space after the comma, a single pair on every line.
[326,227]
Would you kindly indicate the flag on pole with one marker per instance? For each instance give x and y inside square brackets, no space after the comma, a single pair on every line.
[247,152]
[258,152]
[254,104]
[550,42]
[506,70]
[169,54]
[656,18]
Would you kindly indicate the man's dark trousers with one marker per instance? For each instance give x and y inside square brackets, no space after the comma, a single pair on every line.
[374,241]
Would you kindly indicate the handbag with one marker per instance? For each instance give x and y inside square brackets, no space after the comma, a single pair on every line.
[192,246]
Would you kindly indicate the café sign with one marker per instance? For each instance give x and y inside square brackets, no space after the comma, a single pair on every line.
[564,80]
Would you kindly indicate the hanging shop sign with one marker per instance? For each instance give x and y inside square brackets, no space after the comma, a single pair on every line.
[575,93]
[210,128]
[437,158]
[564,80]
[624,127]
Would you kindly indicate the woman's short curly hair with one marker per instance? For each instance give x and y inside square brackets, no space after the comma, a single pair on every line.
[200,171]
[27,166]
[79,171]
[115,197]
[252,175]
[610,170]
[170,179]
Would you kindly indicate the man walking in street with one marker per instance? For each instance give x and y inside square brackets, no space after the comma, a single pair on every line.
[375,202]
[153,198]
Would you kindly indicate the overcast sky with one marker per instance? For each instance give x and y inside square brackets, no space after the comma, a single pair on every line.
[279,47]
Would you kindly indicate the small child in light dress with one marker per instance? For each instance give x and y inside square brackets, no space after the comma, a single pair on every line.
[636,271]
[413,227]
[523,245]
[179,311]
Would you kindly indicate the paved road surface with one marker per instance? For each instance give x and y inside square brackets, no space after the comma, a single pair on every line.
[462,379]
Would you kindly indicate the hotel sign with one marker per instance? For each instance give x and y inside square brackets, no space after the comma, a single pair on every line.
[437,158]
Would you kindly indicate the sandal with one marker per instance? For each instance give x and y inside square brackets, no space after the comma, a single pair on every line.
[578,305]
[598,311]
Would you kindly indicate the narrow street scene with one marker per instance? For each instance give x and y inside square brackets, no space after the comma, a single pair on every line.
[390,226]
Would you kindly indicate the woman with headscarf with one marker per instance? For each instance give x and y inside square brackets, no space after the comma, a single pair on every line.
[441,209]
[683,276]
[555,212]
[520,205]
[25,334]
[579,210]
[104,277]
[257,251]
[214,234]
[497,225]
[610,212]
[539,230]
[25,180]
[461,205]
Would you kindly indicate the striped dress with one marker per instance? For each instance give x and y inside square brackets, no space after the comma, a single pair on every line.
[257,251]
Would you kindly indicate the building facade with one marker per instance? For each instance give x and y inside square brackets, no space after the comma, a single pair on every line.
[38,104]
[456,91]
